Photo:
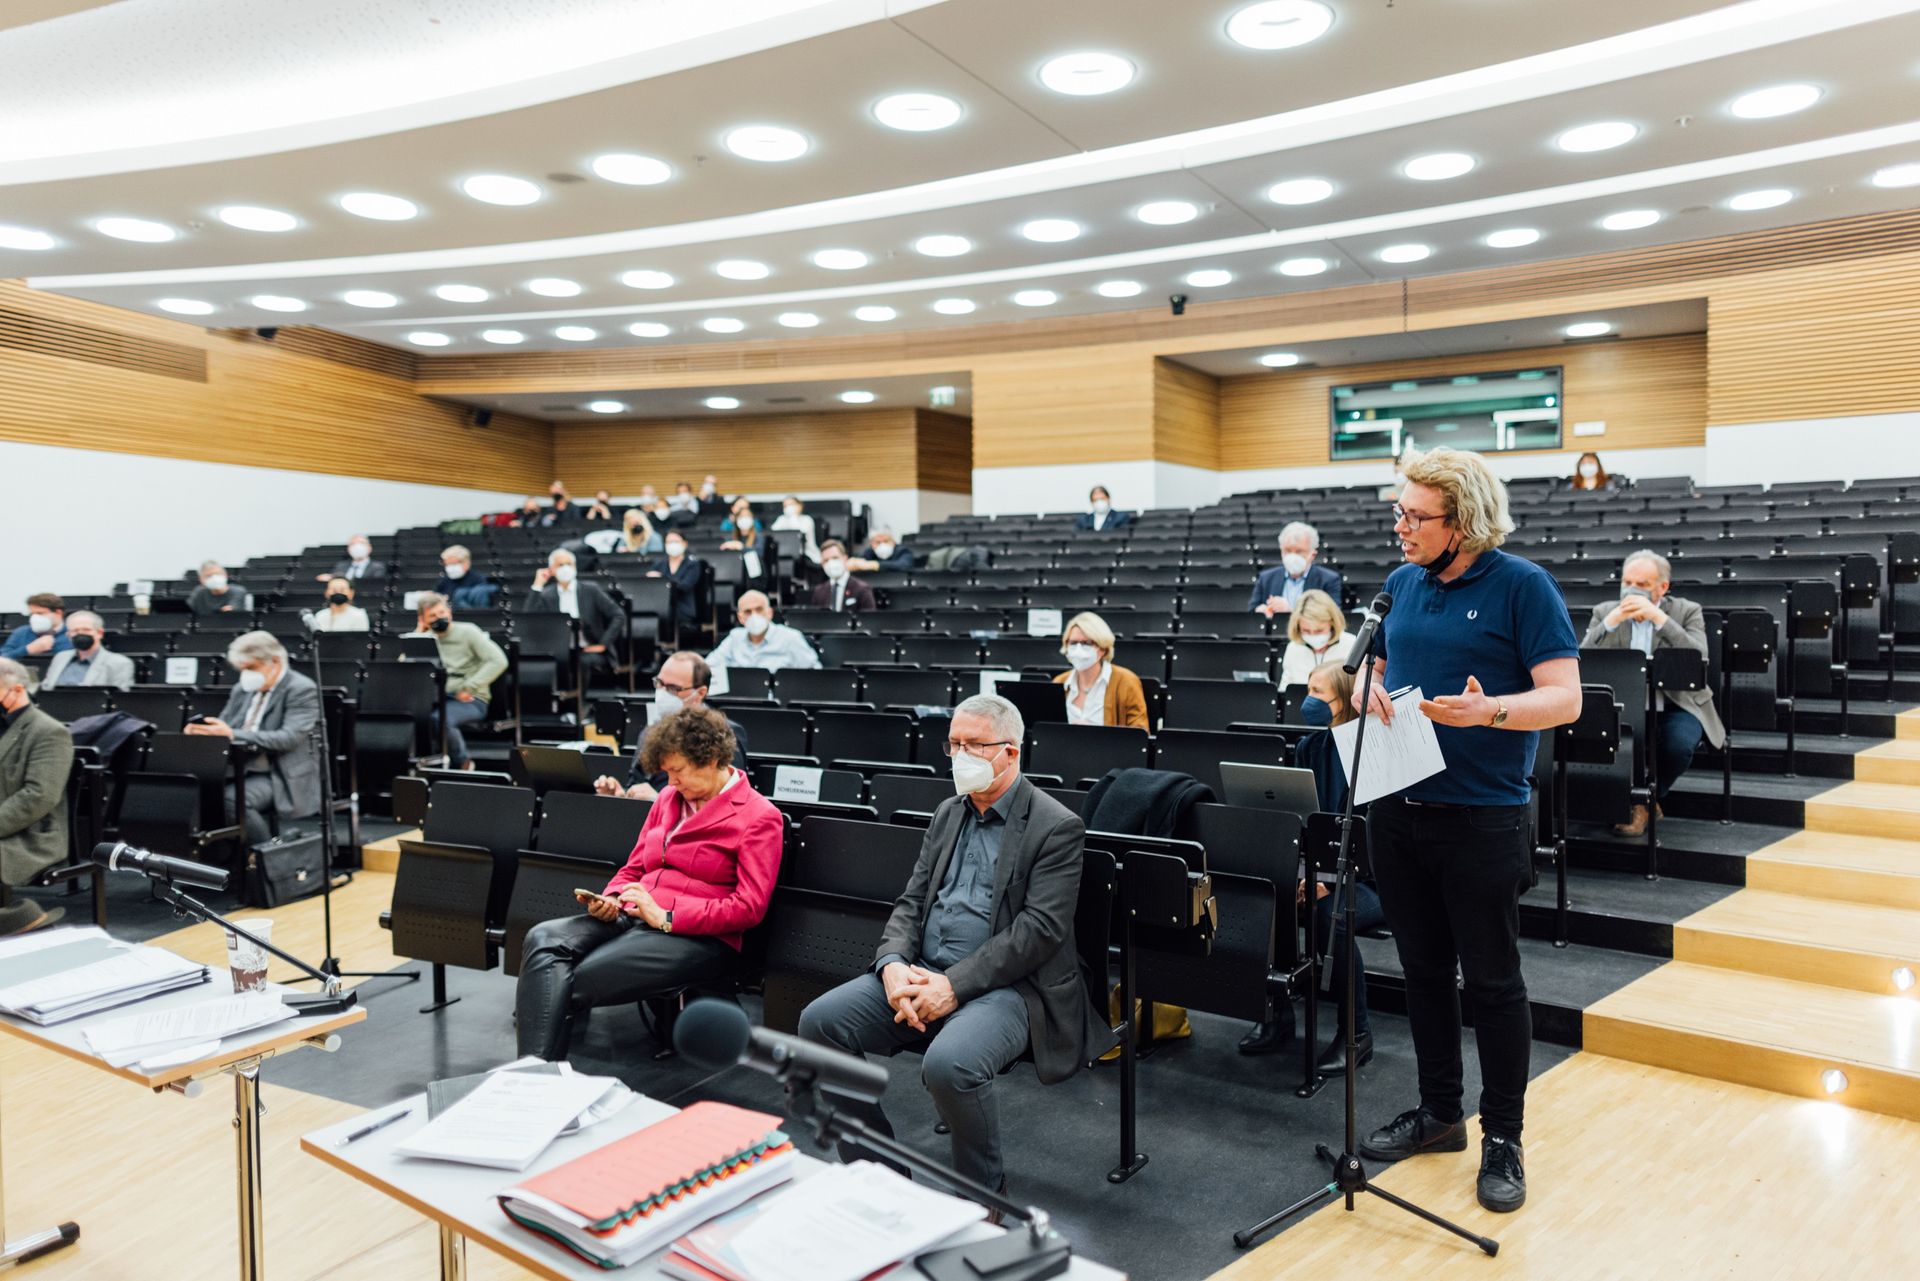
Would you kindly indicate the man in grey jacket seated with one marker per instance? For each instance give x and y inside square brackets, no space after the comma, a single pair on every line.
[89,662]
[1649,617]
[270,717]
[977,963]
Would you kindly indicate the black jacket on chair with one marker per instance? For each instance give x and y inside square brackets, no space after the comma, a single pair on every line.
[601,621]
[1142,802]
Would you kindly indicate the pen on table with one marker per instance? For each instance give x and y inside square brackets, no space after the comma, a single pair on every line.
[371,1126]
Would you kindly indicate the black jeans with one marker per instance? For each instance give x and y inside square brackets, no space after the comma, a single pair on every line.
[1678,734]
[575,963]
[1450,881]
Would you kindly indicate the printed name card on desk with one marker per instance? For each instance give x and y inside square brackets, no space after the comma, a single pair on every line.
[796,783]
[1043,622]
[183,671]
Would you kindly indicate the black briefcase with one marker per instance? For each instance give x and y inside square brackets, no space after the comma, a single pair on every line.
[286,868]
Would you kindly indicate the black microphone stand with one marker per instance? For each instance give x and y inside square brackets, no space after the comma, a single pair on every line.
[1349,1176]
[332,1000]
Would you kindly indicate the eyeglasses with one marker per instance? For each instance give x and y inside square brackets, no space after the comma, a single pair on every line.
[1413,521]
[982,750]
[670,687]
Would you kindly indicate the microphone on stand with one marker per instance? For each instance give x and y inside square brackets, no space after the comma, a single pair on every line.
[1363,641]
[716,1034]
[118,856]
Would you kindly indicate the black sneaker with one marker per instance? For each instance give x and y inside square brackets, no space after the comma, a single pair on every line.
[1413,1133]
[1503,1183]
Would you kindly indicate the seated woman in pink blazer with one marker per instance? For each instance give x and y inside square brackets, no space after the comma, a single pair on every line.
[701,874]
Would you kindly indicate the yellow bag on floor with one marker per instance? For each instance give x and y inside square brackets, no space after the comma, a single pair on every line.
[1170,1022]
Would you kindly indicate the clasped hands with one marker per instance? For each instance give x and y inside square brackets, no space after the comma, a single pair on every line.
[1470,706]
[1636,609]
[918,996]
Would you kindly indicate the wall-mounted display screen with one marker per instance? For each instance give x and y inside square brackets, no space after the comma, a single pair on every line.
[1489,413]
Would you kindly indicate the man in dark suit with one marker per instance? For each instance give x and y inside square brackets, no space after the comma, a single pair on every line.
[884,554]
[977,964]
[1648,617]
[359,563]
[1100,516]
[1276,590]
[842,592]
[557,589]
[270,717]
[682,682]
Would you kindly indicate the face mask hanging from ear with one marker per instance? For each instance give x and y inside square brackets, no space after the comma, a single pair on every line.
[1438,565]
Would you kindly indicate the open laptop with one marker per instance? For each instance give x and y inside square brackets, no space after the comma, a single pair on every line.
[569,770]
[1270,787]
[1039,701]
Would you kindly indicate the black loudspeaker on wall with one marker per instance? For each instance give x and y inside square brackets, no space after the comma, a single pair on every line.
[269,333]
[483,418]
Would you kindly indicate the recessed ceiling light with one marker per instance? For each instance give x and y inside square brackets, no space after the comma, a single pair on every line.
[1279,24]
[874,315]
[649,329]
[137,229]
[722,325]
[1907,175]
[504,337]
[1405,253]
[185,306]
[1833,1080]
[1086,74]
[1587,329]
[1602,135]
[1209,278]
[575,333]
[554,287]
[1279,359]
[1300,191]
[1051,231]
[277,302]
[1118,288]
[1512,238]
[24,238]
[631,170]
[721,402]
[917,112]
[428,338]
[501,189]
[1036,298]
[379,206]
[369,298]
[646,279]
[1167,213]
[1776,100]
[1766,198]
[858,397]
[767,143]
[257,218]
[942,246]
[1438,166]
[798,319]
[1630,219]
[606,406]
[1903,979]
[1303,266]
[953,306]
[461,293]
[840,259]
[742,269]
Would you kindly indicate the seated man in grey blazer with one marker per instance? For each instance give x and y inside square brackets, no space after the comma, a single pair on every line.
[557,589]
[270,717]
[977,964]
[88,662]
[1649,617]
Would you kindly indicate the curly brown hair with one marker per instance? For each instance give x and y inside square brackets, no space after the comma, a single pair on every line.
[699,734]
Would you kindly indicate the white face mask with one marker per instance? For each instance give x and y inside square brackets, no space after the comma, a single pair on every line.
[667,701]
[216,582]
[791,511]
[1101,506]
[676,549]
[706,491]
[1316,640]
[1082,656]
[757,624]
[253,680]
[971,774]
[41,623]
[564,573]
[1295,563]
[1589,470]
[455,571]
[882,550]
[359,551]
[835,568]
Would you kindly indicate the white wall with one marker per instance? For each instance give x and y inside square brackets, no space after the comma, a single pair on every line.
[1814,449]
[78,520]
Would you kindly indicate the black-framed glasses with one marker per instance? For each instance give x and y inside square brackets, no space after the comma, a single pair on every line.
[670,687]
[973,749]
[1413,521]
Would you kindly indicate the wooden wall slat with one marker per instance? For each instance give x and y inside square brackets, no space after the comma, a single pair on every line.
[943,452]
[1186,415]
[761,453]
[1069,405]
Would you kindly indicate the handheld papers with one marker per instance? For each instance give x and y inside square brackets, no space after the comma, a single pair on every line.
[1397,755]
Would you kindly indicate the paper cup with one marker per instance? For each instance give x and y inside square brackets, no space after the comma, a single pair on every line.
[247,959]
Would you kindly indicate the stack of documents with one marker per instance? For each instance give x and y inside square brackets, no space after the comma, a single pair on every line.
[161,1037]
[71,973]
[616,1205]
[508,1120]
[446,1092]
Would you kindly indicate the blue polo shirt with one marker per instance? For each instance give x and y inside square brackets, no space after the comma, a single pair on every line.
[1497,622]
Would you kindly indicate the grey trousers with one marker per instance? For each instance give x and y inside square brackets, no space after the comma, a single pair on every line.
[963,1053]
[576,963]
[259,820]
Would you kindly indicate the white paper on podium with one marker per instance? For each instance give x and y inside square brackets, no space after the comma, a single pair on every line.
[1397,755]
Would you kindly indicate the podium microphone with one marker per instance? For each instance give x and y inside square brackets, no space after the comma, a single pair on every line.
[716,1034]
[1363,640]
[118,856]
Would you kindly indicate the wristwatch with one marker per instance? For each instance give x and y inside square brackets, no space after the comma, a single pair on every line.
[666,926]
[1499,718]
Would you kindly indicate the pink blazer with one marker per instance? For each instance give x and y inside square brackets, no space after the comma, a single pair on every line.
[716,873]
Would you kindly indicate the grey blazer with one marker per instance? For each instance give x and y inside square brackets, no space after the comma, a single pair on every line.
[1686,626]
[107,668]
[293,707]
[1036,887]
[36,757]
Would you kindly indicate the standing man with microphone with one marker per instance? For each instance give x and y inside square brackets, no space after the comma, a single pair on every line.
[1487,638]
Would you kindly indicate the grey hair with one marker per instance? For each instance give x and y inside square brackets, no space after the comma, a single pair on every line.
[1002,715]
[1303,529]
[206,565]
[86,616]
[255,647]
[458,552]
[554,556]
[13,673]
[1661,565]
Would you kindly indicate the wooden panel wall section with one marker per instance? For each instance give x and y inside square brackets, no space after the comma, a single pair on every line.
[1652,393]
[1066,405]
[1186,415]
[943,452]
[760,453]
[257,405]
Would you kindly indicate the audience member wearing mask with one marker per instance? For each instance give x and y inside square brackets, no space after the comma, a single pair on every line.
[746,532]
[339,614]
[1276,589]
[685,571]
[528,517]
[1100,515]
[793,515]
[760,642]
[44,632]
[741,506]
[270,717]
[1098,691]
[638,537]
[665,516]
[217,593]
[601,508]
[562,511]
[711,499]
[460,582]
[472,661]
[883,554]
[359,563]
[89,662]
[683,499]
[558,589]
[1588,474]
[1316,634]
[682,682]
[36,759]
[842,592]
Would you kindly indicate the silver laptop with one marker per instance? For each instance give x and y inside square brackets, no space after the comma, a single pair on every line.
[1270,787]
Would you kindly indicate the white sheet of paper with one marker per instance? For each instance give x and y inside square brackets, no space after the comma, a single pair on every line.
[752,560]
[183,671]
[39,940]
[508,1121]
[1397,756]
[847,1222]
[796,783]
[716,682]
[1043,622]
[142,1037]
[136,968]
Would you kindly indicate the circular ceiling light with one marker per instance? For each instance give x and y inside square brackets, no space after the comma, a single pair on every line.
[840,259]
[942,246]
[858,397]
[1587,329]
[461,293]
[1776,100]
[1439,166]
[1767,198]
[631,170]
[136,229]
[1084,75]
[649,329]
[501,189]
[769,144]
[1279,24]
[554,287]
[1833,1080]
[575,333]
[1051,231]
[1603,135]
[1405,253]
[277,302]
[798,319]
[185,306]
[1279,359]
[874,315]
[257,218]
[606,407]
[646,279]
[723,325]
[1119,288]
[953,306]
[24,238]
[1630,219]
[917,112]
[1511,238]
[428,338]
[1036,298]
[503,337]
[1303,266]
[1209,278]
[721,402]
[1167,213]
[369,298]
[742,269]
[379,206]
[1300,191]
[1907,175]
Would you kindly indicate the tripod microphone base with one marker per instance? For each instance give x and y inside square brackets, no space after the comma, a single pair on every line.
[1121,1173]
[1307,1089]
[1020,1255]
[1350,1179]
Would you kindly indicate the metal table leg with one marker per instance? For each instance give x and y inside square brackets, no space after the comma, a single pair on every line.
[31,1246]
[453,1255]
[246,1129]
